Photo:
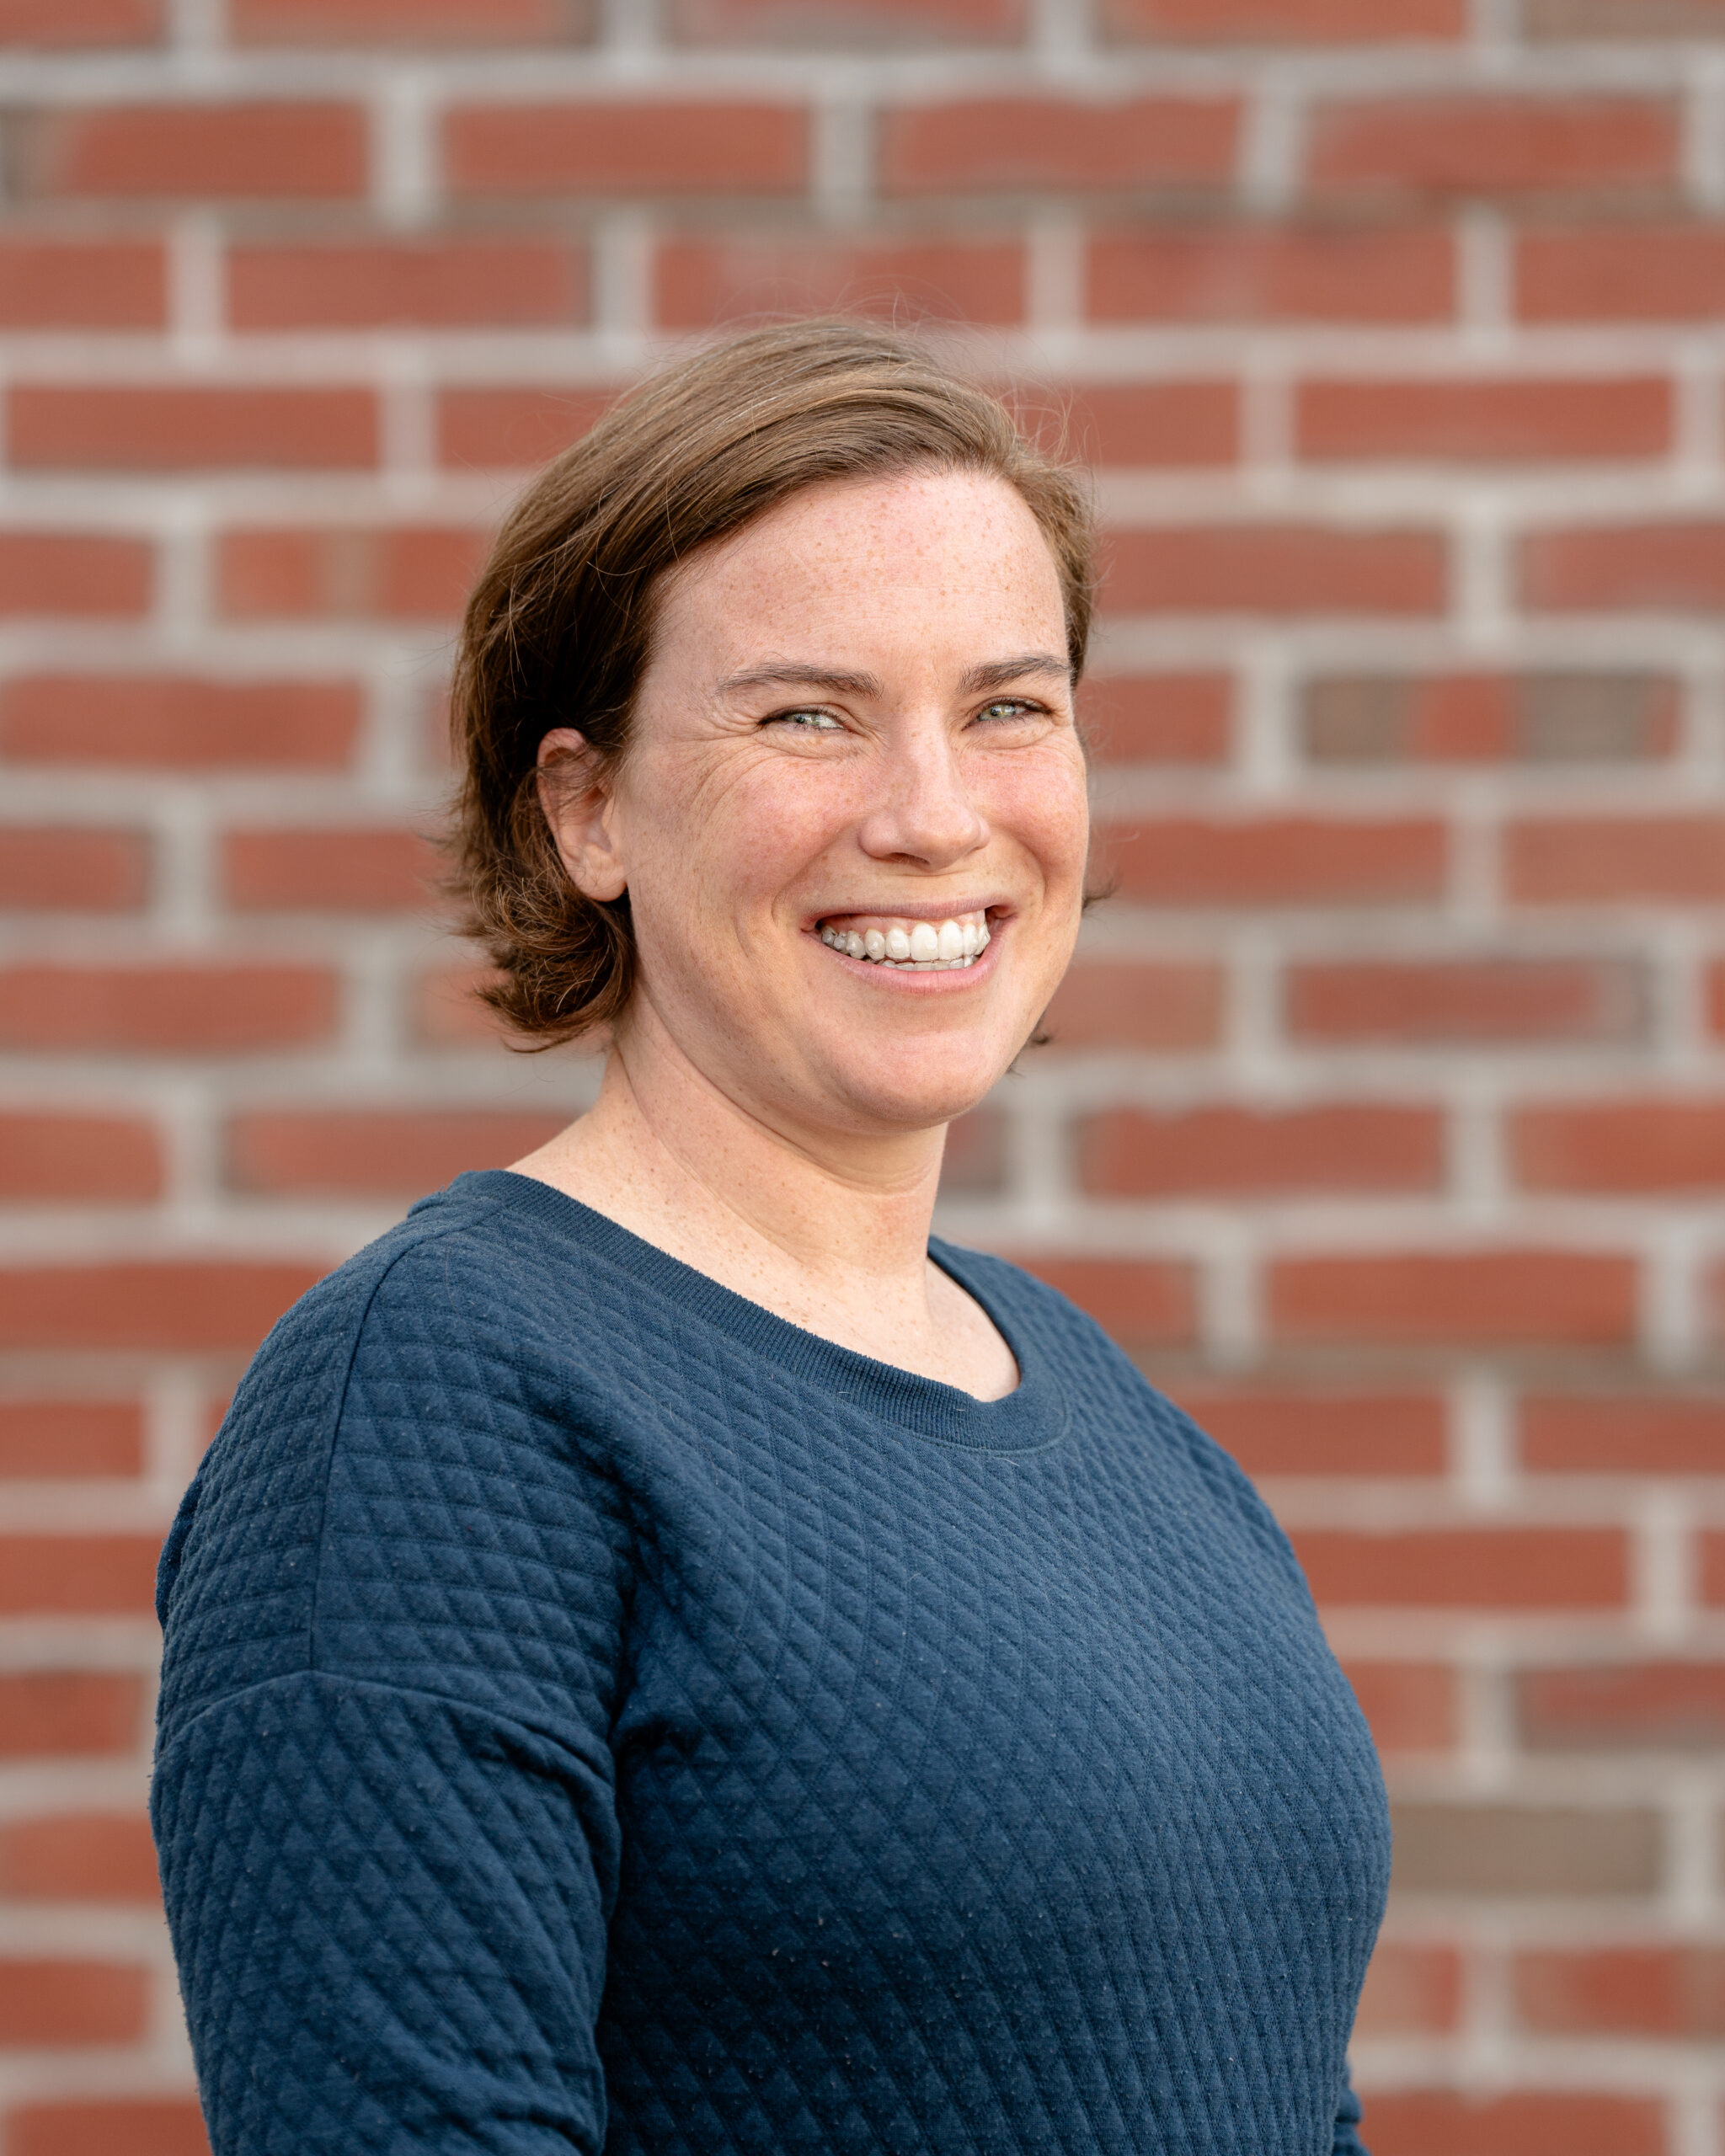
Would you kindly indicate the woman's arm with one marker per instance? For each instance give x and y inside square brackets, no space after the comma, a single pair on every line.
[1348,2141]
[383,1794]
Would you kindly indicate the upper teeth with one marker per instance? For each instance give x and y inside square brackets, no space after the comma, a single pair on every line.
[923,946]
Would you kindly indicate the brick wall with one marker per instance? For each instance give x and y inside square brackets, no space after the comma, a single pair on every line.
[1385,1115]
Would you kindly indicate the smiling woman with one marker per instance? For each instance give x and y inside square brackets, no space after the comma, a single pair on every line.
[664,1656]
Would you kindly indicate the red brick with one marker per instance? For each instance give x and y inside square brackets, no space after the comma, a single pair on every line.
[447,284]
[46,1713]
[78,1856]
[1659,569]
[406,573]
[1410,1991]
[389,1152]
[623,148]
[1632,1434]
[1278,861]
[1619,272]
[67,573]
[1526,2123]
[1490,718]
[168,1304]
[1220,1149]
[848,24]
[225,152]
[1282,1432]
[1631,19]
[1712,1568]
[1155,423]
[1715,990]
[1276,569]
[1141,1301]
[50,2003]
[1411,1705]
[1104,1003]
[1653,1706]
[1655,1144]
[410,22]
[1022,143]
[1622,1991]
[519,429]
[213,1010]
[738,276]
[1157,718]
[43,1157]
[179,721]
[379,871]
[1468,1567]
[1272,273]
[68,23]
[1480,1299]
[1587,859]
[447,1013]
[56,1439]
[1461,420]
[1493,145]
[1284,22]
[1465,1002]
[73,871]
[83,283]
[203,429]
[104,1575]
[142,2127]
[975,1162]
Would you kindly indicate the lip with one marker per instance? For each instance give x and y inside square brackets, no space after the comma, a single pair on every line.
[998,910]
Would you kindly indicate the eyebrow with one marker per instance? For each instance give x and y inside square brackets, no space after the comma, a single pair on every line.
[793,673]
[997,672]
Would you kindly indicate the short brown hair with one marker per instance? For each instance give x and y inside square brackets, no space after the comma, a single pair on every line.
[558,631]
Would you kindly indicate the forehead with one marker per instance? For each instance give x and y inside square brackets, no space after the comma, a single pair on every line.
[959,553]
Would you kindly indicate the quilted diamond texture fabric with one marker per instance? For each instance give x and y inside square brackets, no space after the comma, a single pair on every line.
[597,1715]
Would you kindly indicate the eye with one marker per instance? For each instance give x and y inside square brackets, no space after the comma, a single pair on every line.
[1007,707]
[807,721]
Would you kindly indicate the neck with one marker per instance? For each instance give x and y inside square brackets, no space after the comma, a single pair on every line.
[827,1228]
[719,1181]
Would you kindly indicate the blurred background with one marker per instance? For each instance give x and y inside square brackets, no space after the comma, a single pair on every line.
[1385,1117]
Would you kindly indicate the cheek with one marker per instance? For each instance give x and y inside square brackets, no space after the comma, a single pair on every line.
[1042,802]
[742,827]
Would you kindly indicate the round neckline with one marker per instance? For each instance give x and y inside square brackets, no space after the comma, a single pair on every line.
[1031,1416]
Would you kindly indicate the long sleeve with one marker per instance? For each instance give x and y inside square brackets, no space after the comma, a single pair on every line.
[384,1797]
[1348,2141]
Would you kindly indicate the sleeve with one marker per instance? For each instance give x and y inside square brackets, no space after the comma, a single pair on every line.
[384,1793]
[1347,2142]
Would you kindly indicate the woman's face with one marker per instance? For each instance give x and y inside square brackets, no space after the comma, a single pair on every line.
[855,736]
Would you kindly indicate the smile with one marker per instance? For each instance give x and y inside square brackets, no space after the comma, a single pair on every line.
[916,945]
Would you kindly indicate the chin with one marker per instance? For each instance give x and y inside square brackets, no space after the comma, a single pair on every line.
[920,1097]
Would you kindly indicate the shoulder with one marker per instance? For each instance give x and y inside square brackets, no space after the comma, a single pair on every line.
[414,1420]
[1045,1318]
[1094,1368]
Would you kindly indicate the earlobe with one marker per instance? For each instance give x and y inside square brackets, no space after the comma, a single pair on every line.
[580,808]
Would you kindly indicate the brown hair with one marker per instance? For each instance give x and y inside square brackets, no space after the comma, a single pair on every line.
[558,631]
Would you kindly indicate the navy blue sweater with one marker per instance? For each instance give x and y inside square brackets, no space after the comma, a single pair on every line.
[598,1714]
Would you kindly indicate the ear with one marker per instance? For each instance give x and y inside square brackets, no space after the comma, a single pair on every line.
[581,810]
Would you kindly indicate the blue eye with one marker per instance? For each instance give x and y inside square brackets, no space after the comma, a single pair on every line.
[1005,707]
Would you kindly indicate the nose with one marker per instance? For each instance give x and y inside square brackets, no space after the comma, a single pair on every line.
[925,815]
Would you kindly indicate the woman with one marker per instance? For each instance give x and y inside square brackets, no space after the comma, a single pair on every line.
[663,1655]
